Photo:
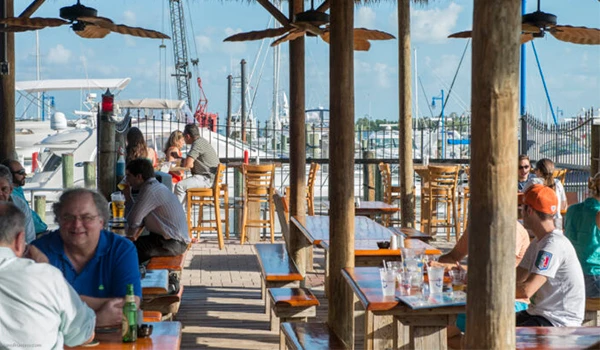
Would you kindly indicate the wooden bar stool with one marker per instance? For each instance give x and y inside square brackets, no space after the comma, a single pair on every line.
[390,193]
[206,196]
[258,188]
[443,181]
[310,188]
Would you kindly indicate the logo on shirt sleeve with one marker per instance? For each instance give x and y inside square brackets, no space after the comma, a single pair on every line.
[543,260]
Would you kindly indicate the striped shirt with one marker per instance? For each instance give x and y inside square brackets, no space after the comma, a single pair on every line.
[205,158]
[159,211]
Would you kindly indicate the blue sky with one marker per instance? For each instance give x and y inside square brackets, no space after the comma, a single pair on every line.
[572,71]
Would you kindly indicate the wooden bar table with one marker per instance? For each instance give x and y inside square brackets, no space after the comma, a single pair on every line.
[165,336]
[371,209]
[557,338]
[427,326]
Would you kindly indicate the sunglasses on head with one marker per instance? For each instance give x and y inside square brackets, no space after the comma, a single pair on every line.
[20,172]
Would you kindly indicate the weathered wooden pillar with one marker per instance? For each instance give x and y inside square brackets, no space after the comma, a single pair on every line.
[67,170]
[89,174]
[298,249]
[595,150]
[406,170]
[39,205]
[494,105]
[341,169]
[368,177]
[7,87]
[107,156]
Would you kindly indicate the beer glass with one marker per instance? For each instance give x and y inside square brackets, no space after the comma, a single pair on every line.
[118,206]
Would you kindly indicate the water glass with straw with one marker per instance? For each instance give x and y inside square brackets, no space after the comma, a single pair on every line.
[388,280]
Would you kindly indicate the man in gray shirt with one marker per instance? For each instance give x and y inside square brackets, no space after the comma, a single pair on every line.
[158,210]
[202,160]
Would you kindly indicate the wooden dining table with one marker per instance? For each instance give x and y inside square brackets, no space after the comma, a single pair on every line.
[555,338]
[371,209]
[420,329]
[165,336]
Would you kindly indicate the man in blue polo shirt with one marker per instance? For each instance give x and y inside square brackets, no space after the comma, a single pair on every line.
[97,263]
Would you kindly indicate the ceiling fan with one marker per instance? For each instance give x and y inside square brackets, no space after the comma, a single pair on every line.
[309,23]
[538,23]
[84,21]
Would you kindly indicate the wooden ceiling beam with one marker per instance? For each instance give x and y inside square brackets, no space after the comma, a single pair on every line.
[31,8]
[324,6]
[274,11]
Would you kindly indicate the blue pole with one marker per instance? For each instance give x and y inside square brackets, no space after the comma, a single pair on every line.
[523,68]
[443,129]
[544,83]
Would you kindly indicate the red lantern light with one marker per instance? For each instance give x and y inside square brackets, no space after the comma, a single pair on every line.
[108,99]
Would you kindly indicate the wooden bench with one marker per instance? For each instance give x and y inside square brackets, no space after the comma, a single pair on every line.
[591,317]
[309,336]
[166,304]
[291,305]
[277,269]
[156,282]
[557,338]
[171,263]
[152,316]
[410,232]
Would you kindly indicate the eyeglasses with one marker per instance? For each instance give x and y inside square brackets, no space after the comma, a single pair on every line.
[521,167]
[85,219]
[19,172]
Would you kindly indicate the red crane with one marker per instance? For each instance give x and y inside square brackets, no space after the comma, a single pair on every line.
[205,119]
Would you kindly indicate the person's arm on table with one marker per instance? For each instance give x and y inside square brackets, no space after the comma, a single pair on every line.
[458,252]
[530,286]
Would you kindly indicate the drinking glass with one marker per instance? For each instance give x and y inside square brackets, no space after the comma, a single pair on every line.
[436,279]
[405,281]
[388,281]
[458,280]
[118,205]
[395,265]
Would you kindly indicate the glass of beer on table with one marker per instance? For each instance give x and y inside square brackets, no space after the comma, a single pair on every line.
[118,206]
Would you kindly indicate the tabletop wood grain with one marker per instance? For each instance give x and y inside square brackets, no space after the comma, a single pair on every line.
[165,336]
[555,338]
[276,264]
[316,228]
[371,208]
[295,297]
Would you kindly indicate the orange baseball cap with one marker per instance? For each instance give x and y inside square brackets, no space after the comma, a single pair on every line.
[541,198]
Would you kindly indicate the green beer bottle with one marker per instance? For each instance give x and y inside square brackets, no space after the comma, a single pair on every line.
[130,316]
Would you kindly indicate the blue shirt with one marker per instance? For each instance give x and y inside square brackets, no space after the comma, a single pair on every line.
[581,230]
[106,275]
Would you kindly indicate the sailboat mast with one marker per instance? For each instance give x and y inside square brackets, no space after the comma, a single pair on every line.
[37,65]
[276,65]
[416,87]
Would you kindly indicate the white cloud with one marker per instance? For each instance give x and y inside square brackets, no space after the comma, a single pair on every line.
[130,41]
[204,43]
[233,48]
[434,25]
[129,18]
[59,55]
[365,17]
[384,75]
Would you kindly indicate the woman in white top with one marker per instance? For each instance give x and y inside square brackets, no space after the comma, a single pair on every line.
[544,169]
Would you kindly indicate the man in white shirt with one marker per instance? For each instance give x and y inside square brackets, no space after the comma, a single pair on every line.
[550,273]
[38,308]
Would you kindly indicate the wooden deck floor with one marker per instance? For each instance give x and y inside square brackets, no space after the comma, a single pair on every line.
[221,306]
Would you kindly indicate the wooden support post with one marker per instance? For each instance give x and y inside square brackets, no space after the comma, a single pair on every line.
[406,169]
[107,156]
[39,205]
[298,248]
[7,87]
[369,177]
[238,190]
[67,170]
[595,150]
[378,185]
[494,105]
[89,174]
[341,170]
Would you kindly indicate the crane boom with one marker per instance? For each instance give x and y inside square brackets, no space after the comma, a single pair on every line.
[180,56]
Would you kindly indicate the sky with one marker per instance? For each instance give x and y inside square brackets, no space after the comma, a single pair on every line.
[572,72]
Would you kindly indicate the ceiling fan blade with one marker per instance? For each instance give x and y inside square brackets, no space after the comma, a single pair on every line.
[576,35]
[92,31]
[371,34]
[292,35]
[530,28]
[259,34]
[35,22]
[307,27]
[465,34]
[106,23]
[19,29]
[324,6]
[361,45]
[526,37]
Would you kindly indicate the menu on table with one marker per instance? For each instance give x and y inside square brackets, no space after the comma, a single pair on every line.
[418,301]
